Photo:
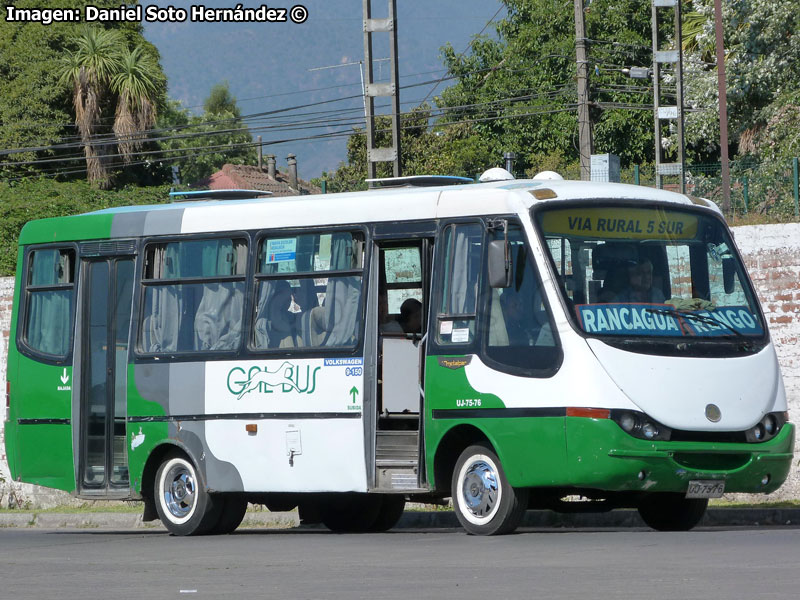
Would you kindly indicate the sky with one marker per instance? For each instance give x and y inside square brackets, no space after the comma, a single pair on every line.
[273,66]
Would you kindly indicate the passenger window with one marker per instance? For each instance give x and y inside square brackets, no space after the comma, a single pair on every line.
[50,294]
[519,331]
[400,307]
[308,291]
[463,248]
[680,269]
[194,296]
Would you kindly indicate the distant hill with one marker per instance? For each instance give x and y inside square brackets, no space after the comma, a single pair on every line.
[267,64]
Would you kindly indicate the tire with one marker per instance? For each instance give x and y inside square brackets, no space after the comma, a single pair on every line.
[350,513]
[234,508]
[182,503]
[483,500]
[672,512]
[392,507]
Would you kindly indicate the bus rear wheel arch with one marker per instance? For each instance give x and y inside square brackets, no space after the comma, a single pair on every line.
[182,502]
[483,500]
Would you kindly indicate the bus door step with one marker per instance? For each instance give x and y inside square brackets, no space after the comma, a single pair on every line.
[397,460]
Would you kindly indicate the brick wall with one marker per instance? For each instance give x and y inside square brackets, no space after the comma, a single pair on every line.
[772,255]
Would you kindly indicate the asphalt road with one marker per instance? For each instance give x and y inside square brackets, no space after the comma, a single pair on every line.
[409,564]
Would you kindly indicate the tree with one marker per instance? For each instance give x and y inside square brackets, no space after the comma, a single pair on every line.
[137,84]
[762,64]
[200,145]
[89,70]
[451,150]
[221,101]
[103,64]
[519,88]
[36,112]
[516,92]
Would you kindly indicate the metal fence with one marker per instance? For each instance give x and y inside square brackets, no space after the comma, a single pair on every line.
[770,189]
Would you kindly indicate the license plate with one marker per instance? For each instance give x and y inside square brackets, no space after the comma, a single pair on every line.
[705,489]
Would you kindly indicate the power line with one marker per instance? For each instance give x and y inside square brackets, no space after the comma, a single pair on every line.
[332,135]
[104,139]
[464,51]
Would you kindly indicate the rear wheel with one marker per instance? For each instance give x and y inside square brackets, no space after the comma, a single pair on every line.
[183,505]
[392,507]
[671,511]
[350,513]
[234,508]
[484,501]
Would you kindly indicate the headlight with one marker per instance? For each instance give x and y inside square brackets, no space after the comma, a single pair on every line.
[767,428]
[640,425]
[628,422]
[770,424]
[649,430]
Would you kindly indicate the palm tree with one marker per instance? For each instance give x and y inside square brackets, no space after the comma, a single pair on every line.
[137,84]
[89,70]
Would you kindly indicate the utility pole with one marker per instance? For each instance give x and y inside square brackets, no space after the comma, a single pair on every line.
[668,112]
[392,90]
[723,109]
[584,124]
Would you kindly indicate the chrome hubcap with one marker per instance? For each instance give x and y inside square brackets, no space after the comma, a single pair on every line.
[480,490]
[179,491]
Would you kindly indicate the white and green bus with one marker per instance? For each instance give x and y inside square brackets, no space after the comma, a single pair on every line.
[515,344]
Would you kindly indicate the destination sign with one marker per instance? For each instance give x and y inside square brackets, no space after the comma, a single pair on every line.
[663,320]
[620,223]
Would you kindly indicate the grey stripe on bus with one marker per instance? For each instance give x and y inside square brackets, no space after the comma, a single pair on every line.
[180,389]
[147,222]
[128,224]
[163,222]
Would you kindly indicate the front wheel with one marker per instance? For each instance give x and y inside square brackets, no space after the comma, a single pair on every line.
[484,501]
[183,505]
[672,512]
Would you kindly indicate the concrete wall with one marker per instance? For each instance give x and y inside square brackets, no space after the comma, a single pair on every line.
[772,254]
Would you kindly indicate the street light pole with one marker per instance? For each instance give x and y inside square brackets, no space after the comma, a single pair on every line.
[723,108]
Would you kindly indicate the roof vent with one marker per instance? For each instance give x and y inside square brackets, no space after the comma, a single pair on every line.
[551,175]
[418,181]
[189,196]
[495,174]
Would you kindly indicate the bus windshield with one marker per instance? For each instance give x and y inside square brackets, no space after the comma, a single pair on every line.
[644,272]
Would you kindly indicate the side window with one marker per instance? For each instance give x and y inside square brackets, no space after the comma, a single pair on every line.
[463,248]
[50,293]
[400,304]
[193,296]
[569,273]
[732,294]
[308,291]
[680,270]
[518,329]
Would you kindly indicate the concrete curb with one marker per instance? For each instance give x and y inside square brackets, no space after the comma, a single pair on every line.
[715,517]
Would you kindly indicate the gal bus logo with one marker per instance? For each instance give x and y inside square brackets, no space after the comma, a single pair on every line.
[286,378]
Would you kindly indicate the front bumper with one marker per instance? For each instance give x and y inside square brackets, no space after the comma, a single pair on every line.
[602,456]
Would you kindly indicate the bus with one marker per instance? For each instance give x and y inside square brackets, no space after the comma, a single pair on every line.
[512,345]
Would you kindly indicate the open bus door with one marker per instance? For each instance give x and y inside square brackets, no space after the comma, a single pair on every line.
[104,330]
[403,282]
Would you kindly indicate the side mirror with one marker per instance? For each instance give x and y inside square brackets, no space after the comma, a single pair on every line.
[499,264]
[728,273]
